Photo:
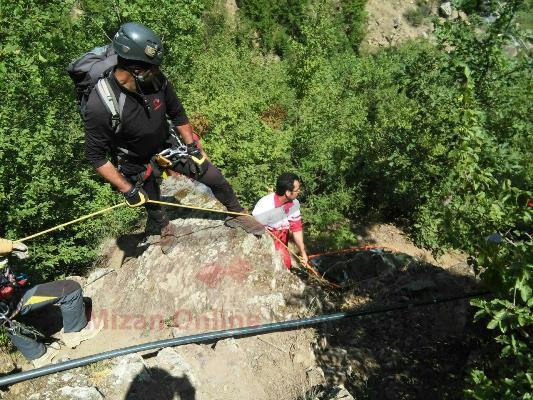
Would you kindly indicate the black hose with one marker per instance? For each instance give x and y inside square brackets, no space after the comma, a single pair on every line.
[218,335]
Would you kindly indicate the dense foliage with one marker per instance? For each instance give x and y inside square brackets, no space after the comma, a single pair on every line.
[438,135]
[44,179]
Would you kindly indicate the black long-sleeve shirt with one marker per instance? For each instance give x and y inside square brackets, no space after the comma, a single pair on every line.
[144,126]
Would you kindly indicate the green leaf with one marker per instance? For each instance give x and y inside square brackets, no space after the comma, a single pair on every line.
[492,324]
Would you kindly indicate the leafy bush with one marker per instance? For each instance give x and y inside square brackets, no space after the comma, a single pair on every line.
[44,179]
[278,23]
[482,206]
[275,22]
[243,99]
[436,135]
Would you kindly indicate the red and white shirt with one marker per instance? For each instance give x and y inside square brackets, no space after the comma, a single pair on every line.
[276,216]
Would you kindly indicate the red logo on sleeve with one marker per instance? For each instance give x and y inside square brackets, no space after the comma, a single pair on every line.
[157,104]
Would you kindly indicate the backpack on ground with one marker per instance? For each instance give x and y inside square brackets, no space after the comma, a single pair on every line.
[91,71]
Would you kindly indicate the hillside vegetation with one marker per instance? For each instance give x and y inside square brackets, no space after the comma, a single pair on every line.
[435,134]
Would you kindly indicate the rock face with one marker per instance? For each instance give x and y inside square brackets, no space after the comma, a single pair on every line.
[214,278]
[419,352]
[329,393]
[217,278]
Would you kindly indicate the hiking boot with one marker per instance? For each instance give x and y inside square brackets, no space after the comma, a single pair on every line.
[73,339]
[246,222]
[156,221]
[168,238]
[46,358]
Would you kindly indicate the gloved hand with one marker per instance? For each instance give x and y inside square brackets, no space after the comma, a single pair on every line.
[135,197]
[19,249]
[199,161]
[6,247]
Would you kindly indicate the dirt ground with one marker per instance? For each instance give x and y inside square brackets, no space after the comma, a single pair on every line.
[390,236]
[416,353]
[387,25]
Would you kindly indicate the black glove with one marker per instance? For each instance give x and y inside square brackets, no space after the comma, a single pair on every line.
[135,197]
[199,161]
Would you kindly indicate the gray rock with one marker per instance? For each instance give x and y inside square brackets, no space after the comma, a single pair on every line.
[80,393]
[462,269]
[129,368]
[337,392]
[455,14]
[6,363]
[189,192]
[98,273]
[67,376]
[171,361]
[272,301]
[446,9]
[315,376]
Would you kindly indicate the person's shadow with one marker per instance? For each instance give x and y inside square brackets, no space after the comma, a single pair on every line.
[158,384]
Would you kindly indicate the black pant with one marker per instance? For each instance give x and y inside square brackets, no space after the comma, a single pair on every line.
[213,179]
[68,295]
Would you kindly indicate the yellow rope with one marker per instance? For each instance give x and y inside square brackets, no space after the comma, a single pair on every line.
[70,222]
[165,203]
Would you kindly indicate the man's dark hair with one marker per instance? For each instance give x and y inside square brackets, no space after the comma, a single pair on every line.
[286,182]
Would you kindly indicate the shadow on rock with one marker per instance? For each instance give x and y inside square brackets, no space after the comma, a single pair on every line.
[158,384]
[415,353]
[129,244]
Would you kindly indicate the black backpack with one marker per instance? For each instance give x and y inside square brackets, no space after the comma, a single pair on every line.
[91,71]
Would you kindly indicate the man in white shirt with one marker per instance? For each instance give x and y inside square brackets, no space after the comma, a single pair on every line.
[280,213]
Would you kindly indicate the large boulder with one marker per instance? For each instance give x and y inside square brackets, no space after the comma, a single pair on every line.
[213,278]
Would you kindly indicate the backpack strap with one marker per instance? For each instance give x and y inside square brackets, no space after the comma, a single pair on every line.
[107,95]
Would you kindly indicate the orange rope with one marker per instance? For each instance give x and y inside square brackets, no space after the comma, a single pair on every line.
[355,248]
[306,265]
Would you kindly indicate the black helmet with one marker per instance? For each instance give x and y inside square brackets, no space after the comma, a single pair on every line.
[138,43]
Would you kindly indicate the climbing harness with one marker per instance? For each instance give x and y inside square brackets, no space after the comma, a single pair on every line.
[175,153]
[9,283]
[16,328]
[159,163]
[4,313]
[168,157]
